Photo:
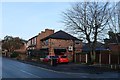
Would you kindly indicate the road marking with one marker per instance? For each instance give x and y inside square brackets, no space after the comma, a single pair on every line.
[30,73]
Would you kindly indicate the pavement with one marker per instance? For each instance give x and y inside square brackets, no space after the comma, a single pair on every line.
[22,69]
[73,67]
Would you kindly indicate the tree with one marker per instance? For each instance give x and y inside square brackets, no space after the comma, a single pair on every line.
[114,25]
[89,20]
[10,44]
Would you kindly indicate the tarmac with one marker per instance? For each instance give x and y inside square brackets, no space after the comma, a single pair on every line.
[74,67]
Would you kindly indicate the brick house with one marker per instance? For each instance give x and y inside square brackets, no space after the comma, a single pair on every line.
[34,43]
[62,43]
[49,43]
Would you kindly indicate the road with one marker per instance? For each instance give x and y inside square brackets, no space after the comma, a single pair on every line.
[15,69]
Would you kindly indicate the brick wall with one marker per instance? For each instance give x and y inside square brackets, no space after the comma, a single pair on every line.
[40,36]
[115,48]
[64,44]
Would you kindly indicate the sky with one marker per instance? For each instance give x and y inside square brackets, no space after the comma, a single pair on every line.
[27,19]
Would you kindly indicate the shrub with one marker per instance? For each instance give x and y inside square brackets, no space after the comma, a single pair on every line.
[14,55]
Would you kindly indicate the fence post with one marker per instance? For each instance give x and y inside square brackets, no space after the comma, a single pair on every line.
[86,58]
[109,58]
[100,58]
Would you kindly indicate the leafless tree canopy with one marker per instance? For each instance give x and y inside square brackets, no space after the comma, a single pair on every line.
[89,20]
[119,15]
[114,24]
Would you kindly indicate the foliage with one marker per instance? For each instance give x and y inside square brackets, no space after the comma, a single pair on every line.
[11,43]
[14,55]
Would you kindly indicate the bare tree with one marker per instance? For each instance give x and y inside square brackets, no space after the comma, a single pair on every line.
[115,24]
[118,9]
[88,20]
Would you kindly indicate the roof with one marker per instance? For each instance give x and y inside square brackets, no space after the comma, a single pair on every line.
[61,35]
[99,46]
[32,37]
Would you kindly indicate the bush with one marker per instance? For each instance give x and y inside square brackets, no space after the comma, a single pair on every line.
[14,55]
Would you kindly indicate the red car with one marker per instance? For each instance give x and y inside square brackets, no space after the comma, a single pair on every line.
[48,58]
[63,59]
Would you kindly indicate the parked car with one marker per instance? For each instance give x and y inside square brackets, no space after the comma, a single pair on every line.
[48,58]
[63,59]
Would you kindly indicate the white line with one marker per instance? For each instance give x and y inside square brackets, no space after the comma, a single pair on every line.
[30,73]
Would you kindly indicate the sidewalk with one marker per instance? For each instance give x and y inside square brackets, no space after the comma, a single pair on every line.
[73,68]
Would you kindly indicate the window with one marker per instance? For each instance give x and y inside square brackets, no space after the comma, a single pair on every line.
[35,41]
[46,42]
[77,42]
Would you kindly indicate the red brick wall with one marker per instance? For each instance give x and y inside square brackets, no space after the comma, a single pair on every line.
[42,35]
[38,46]
[46,33]
[115,48]
[60,43]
